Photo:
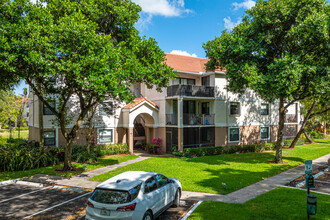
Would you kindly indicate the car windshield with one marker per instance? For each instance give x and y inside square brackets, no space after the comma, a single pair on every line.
[107,196]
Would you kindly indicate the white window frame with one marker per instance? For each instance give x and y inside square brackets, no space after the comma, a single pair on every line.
[239,135]
[268,132]
[50,138]
[112,133]
[239,109]
[268,109]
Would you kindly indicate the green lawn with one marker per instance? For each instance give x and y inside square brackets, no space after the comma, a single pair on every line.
[326,140]
[205,174]
[280,203]
[6,134]
[103,161]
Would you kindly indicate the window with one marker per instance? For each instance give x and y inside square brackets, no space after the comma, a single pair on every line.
[183,81]
[107,196]
[46,110]
[206,81]
[49,138]
[264,109]
[105,135]
[205,108]
[234,108]
[106,108]
[150,185]
[162,180]
[189,107]
[233,134]
[264,133]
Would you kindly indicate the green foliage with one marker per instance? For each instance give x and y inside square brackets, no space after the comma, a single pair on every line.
[150,148]
[88,49]
[280,50]
[23,156]
[80,152]
[209,151]
[270,146]
[299,142]
[316,134]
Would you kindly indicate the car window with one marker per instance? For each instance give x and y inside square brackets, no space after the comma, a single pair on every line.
[107,196]
[150,185]
[110,196]
[162,180]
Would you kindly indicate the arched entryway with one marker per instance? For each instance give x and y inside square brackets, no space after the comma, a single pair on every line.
[140,118]
[143,131]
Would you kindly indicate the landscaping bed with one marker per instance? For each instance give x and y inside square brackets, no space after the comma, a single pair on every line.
[280,203]
[51,170]
[207,173]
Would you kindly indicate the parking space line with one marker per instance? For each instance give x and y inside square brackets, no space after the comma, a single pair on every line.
[24,194]
[57,205]
[191,210]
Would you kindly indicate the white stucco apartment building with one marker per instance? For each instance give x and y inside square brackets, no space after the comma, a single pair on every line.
[196,110]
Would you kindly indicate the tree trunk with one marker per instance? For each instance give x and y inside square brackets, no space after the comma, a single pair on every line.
[310,140]
[310,110]
[41,127]
[90,129]
[68,154]
[280,142]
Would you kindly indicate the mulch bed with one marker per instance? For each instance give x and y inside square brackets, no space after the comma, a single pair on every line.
[302,178]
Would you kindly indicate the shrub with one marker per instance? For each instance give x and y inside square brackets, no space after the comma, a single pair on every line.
[269,146]
[316,135]
[24,157]
[300,141]
[79,152]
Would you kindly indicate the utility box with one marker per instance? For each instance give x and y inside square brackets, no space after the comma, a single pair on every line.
[309,181]
[311,204]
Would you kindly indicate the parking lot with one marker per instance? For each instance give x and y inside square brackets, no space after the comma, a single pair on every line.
[24,200]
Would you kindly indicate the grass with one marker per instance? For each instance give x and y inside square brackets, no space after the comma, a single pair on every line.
[206,174]
[326,140]
[51,170]
[6,134]
[280,203]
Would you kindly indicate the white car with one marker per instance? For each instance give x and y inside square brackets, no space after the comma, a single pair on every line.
[133,195]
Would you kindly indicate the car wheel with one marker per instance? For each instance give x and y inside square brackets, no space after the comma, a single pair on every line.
[176,202]
[147,216]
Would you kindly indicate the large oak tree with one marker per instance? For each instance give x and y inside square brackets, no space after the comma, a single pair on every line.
[85,51]
[280,50]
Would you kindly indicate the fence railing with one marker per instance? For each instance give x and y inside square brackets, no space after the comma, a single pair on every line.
[190,90]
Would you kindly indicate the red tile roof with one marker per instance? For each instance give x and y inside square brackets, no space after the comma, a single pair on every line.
[137,101]
[187,63]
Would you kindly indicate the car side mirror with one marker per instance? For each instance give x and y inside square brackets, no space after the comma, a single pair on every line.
[171,181]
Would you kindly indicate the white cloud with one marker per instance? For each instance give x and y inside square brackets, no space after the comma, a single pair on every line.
[247,4]
[166,8]
[184,53]
[229,24]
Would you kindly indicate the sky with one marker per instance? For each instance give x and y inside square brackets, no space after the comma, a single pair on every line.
[182,26]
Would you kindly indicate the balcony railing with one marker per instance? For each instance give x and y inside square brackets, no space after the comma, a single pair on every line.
[198,119]
[290,118]
[171,119]
[190,90]
[191,119]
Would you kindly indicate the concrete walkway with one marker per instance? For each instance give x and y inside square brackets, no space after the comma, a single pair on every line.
[239,196]
[250,192]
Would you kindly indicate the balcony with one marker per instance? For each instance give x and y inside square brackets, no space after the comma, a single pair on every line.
[171,119]
[190,119]
[290,118]
[190,90]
